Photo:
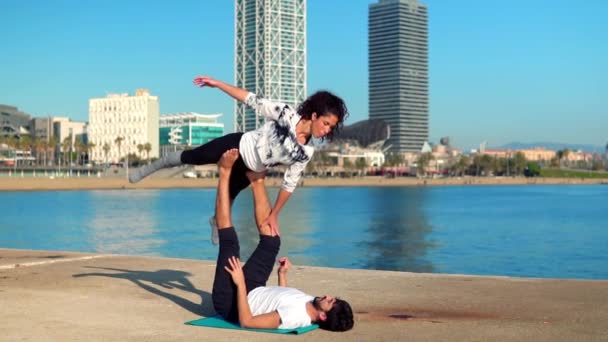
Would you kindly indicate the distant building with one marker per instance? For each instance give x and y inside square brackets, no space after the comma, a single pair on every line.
[426,148]
[270,54]
[133,119]
[579,156]
[398,71]
[65,128]
[373,159]
[535,154]
[181,130]
[41,128]
[365,133]
[499,153]
[362,140]
[13,122]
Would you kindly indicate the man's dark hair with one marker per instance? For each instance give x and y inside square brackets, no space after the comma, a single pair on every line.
[339,318]
[324,103]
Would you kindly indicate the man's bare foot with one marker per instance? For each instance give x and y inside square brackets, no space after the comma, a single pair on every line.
[227,160]
[256,176]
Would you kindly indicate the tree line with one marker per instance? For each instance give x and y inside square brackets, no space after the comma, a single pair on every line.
[51,152]
[462,165]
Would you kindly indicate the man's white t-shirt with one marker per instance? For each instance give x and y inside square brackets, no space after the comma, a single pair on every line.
[290,303]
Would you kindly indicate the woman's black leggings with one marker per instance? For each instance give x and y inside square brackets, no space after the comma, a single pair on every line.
[211,152]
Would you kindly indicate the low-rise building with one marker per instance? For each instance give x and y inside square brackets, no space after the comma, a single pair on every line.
[13,122]
[180,131]
[119,123]
[534,154]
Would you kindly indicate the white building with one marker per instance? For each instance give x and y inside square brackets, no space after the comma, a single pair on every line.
[372,158]
[133,119]
[65,128]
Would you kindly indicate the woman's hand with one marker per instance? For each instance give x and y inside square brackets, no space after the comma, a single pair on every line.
[236,271]
[205,81]
[273,222]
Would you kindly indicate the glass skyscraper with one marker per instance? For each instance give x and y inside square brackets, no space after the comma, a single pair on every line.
[270,54]
[398,71]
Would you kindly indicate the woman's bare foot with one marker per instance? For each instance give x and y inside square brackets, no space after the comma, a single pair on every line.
[227,160]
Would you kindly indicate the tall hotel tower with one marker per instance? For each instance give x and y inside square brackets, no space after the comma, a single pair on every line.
[398,71]
[270,54]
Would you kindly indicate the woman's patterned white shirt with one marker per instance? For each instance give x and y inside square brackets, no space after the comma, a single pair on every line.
[275,143]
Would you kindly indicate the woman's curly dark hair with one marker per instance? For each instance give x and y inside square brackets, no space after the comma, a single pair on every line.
[324,103]
[339,318]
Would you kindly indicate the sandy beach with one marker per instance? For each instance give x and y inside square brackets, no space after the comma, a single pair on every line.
[91,183]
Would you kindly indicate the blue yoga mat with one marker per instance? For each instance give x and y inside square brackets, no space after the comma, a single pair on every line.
[219,322]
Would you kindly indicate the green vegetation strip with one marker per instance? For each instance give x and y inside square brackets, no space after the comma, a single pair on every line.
[572,173]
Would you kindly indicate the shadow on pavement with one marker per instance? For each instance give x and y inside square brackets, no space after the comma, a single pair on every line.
[168,279]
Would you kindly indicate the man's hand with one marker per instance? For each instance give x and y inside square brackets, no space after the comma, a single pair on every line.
[273,222]
[284,265]
[205,81]
[236,271]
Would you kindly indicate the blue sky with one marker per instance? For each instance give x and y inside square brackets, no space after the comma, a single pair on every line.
[500,71]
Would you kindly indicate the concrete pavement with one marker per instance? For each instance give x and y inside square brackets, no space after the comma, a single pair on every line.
[64,296]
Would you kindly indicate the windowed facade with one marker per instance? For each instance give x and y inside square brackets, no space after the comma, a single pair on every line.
[270,54]
[13,122]
[183,130]
[119,122]
[398,71]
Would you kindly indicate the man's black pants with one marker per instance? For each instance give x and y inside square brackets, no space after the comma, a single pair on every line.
[257,270]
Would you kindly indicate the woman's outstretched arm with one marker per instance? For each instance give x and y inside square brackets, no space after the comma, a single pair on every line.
[235,92]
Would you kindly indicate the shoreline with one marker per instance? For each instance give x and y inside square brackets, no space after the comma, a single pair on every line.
[115,183]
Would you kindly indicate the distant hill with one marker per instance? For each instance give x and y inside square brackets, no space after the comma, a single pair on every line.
[554,146]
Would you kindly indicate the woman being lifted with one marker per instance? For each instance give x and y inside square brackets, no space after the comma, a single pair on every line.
[284,139]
